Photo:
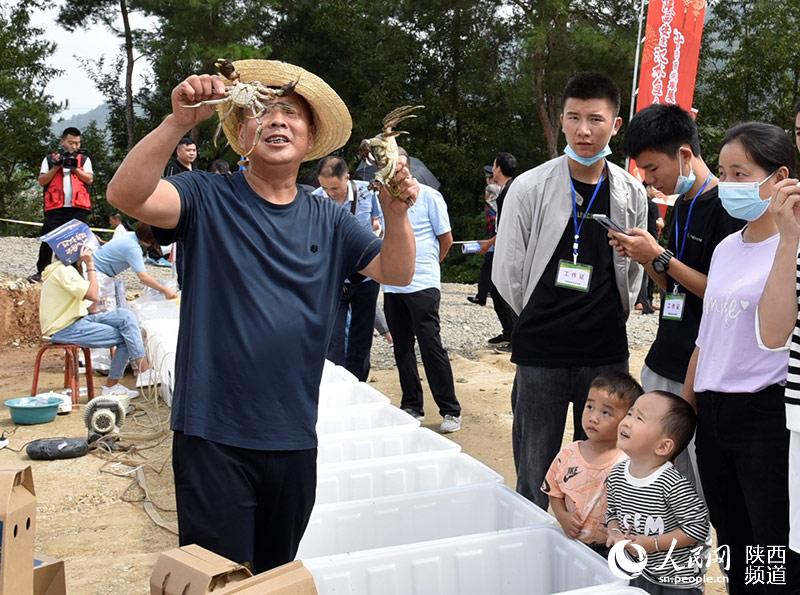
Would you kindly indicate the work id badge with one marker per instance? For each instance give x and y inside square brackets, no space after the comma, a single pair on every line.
[673,306]
[573,276]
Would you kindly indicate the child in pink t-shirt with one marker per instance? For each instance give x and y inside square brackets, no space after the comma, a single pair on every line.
[575,482]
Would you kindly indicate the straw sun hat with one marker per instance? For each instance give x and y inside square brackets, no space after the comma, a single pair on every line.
[331,118]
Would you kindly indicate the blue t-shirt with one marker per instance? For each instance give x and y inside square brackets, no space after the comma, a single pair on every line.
[261,287]
[119,254]
[368,206]
[429,220]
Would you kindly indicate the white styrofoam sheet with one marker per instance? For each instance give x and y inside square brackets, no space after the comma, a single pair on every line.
[379,443]
[392,476]
[531,561]
[343,393]
[362,417]
[420,516]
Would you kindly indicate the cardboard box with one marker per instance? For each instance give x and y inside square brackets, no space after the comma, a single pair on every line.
[17,529]
[49,577]
[290,579]
[192,570]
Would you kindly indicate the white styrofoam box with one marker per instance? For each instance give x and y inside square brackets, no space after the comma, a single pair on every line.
[392,476]
[531,561]
[333,373]
[420,516]
[362,417]
[383,442]
[342,393]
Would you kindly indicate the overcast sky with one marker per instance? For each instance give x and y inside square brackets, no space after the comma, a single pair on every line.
[90,43]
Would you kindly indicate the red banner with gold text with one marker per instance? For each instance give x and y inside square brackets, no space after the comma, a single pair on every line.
[670,54]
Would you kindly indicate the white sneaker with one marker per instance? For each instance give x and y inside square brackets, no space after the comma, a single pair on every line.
[147,378]
[450,423]
[118,389]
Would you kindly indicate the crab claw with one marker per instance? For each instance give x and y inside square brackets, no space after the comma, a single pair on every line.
[364,151]
[397,115]
[286,89]
[227,69]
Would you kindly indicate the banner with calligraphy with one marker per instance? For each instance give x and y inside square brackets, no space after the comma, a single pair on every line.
[670,55]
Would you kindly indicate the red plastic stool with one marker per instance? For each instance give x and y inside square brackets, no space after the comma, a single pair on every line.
[72,373]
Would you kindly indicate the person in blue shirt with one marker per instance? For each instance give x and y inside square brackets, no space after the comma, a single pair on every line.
[359,297]
[265,262]
[125,252]
[412,312]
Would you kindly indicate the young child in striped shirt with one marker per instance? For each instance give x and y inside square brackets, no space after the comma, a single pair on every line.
[575,482]
[651,504]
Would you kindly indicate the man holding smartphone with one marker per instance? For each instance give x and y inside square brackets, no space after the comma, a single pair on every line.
[664,141]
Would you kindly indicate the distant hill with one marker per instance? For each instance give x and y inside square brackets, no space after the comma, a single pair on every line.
[81,121]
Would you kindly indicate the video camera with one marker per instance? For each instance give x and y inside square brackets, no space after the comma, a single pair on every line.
[69,159]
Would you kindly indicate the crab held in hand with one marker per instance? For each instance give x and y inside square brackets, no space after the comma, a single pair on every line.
[382,150]
[253,96]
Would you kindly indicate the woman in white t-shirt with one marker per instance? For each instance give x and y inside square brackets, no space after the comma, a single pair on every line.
[737,387]
[779,325]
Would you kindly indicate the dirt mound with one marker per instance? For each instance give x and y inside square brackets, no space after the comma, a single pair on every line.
[19,312]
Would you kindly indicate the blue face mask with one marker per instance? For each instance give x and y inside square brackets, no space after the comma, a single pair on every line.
[684,183]
[587,161]
[742,200]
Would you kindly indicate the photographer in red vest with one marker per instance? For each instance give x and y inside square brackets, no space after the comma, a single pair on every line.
[65,176]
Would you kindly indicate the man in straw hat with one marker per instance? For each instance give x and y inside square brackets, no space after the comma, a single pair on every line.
[265,263]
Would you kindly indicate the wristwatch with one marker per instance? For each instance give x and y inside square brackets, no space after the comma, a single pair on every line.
[661,262]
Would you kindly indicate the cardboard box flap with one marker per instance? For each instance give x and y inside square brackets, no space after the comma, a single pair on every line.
[289,579]
[17,530]
[49,577]
[193,570]
[12,477]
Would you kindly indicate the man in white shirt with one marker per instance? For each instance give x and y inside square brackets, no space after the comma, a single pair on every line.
[65,176]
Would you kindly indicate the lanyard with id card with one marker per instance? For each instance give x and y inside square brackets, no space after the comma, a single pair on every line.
[574,275]
[675,301]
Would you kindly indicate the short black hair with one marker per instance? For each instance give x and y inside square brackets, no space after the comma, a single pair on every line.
[620,384]
[766,144]
[332,165]
[797,108]
[186,140]
[70,131]
[663,128]
[679,421]
[592,85]
[219,166]
[507,164]
[115,215]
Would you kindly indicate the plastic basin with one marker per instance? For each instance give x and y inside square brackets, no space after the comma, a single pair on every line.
[33,410]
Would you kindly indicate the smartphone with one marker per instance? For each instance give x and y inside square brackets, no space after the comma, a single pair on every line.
[609,223]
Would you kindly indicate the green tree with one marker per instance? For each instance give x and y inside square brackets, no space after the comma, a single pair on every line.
[189,37]
[74,15]
[25,107]
[749,66]
[568,36]
[104,164]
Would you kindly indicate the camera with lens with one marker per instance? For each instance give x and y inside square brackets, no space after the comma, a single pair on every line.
[69,159]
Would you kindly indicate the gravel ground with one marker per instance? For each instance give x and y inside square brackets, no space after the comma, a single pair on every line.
[465,326]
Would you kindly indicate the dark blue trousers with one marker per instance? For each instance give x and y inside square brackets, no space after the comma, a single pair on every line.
[351,347]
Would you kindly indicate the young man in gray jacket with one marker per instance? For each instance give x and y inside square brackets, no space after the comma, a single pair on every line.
[556,269]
